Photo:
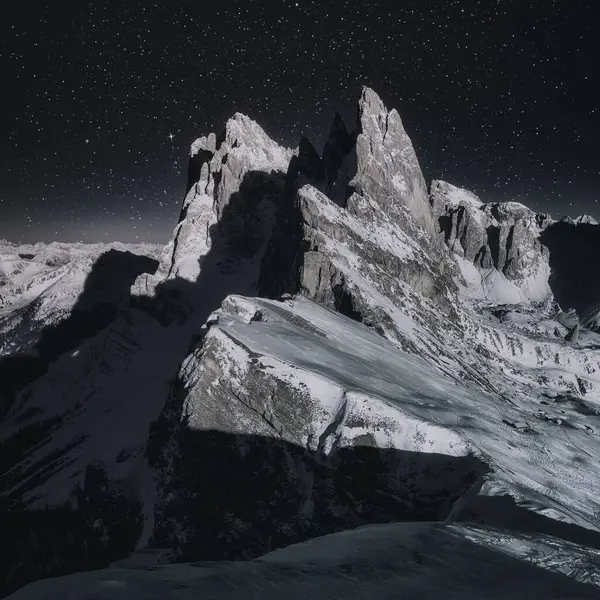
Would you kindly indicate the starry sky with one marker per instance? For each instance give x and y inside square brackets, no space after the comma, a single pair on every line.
[101,100]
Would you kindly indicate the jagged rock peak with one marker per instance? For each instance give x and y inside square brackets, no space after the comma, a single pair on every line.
[586,219]
[205,143]
[385,126]
[339,144]
[339,140]
[498,235]
[338,128]
[242,131]
[444,195]
[581,220]
[387,166]
[306,162]
[306,147]
[242,163]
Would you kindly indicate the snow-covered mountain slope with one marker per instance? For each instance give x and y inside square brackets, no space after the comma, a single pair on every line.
[520,256]
[323,346]
[297,372]
[408,560]
[41,284]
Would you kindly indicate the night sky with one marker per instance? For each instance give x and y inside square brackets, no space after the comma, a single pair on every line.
[101,100]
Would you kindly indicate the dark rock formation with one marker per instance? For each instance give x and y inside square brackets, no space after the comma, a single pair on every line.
[575,271]
[339,160]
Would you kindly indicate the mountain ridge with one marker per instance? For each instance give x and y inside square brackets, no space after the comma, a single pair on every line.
[332,332]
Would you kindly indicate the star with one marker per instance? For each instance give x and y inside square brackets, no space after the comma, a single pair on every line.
[112,98]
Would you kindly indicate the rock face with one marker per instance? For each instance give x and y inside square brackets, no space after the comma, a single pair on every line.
[388,170]
[350,253]
[246,226]
[510,245]
[498,236]
[573,334]
[343,234]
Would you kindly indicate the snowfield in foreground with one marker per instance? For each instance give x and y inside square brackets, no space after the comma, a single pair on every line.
[424,561]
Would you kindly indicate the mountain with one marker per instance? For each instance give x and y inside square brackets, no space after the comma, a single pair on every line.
[54,296]
[41,284]
[325,344]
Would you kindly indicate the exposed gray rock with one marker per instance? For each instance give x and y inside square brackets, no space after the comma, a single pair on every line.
[388,170]
[568,318]
[502,236]
[461,220]
[385,254]
[590,319]
[573,334]
[379,214]
[387,184]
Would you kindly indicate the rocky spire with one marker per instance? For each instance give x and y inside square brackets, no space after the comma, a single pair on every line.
[221,168]
[387,166]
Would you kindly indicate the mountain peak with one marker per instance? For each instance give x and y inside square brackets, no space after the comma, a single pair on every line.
[452,196]
[339,140]
[580,220]
[243,126]
[388,168]
[338,122]
[206,143]
[586,219]
[371,100]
